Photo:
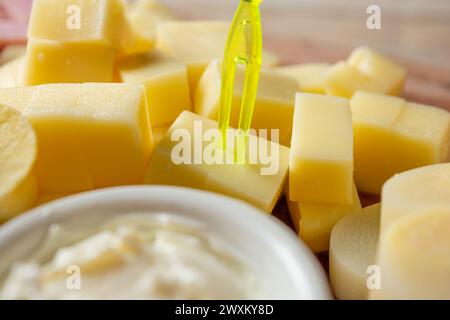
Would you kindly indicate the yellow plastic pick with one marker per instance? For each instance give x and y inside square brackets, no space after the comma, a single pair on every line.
[244,46]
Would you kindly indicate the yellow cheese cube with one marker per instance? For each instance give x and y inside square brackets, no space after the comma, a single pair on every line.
[380,69]
[314,221]
[76,21]
[166,84]
[310,77]
[197,43]
[393,136]
[232,179]
[89,136]
[11,74]
[57,62]
[144,16]
[12,52]
[415,234]
[274,104]
[365,70]
[321,158]
[353,248]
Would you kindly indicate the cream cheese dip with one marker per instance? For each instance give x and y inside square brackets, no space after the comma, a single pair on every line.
[136,257]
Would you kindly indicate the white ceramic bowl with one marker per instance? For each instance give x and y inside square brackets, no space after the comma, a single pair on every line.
[286,267]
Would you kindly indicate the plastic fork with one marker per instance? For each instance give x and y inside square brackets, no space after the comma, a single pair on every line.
[244,46]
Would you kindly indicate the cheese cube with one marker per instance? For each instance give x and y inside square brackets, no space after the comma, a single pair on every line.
[197,43]
[314,221]
[353,248]
[380,69]
[11,74]
[321,158]
[144,16]
[232,179]
[76,21]
[415,234]
[89,136]
[310,77]
[393,136]
[57,62]
[274,106]
[166,85]
[365,70]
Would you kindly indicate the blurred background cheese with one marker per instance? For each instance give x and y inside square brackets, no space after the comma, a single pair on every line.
[365,70]
[274,106]
[314,221]
[321,157]
[18,149]
[393,136]
[243,181]
[197,43]
[89,136]
[353,246]
[12,52]
[310,76]
[414,247]
[166,83]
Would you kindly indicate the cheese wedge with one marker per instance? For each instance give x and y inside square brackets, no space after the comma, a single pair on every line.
[11,73]
[392,136]
[165,81]
[415,235]
[310,76]
[89,136]
[18,149]
[274,106]
[314,221]
[200,169]
[197,43]
[321,157]
[353,247]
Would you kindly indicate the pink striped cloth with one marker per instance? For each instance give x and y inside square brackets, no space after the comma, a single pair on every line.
[13,21]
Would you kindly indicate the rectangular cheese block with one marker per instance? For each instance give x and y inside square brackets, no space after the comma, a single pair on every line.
[12,73]
[392,135]
[243,181]
[321,158]
[310,76]
[76,21]
[365,70]
[314,221]
[197,43]
[274,106]
[58,62]
[89,135]
[165,81]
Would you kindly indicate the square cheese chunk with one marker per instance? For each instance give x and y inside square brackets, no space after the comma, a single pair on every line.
[58,62]
[89,135]
[165,81]
[76,21]
[315,221]
[274,103]
[197,43]
[321,158]
[310,76]
[365,70]
[392,135]
[229,178]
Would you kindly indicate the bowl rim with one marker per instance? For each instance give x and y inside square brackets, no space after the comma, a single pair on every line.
[302,263]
